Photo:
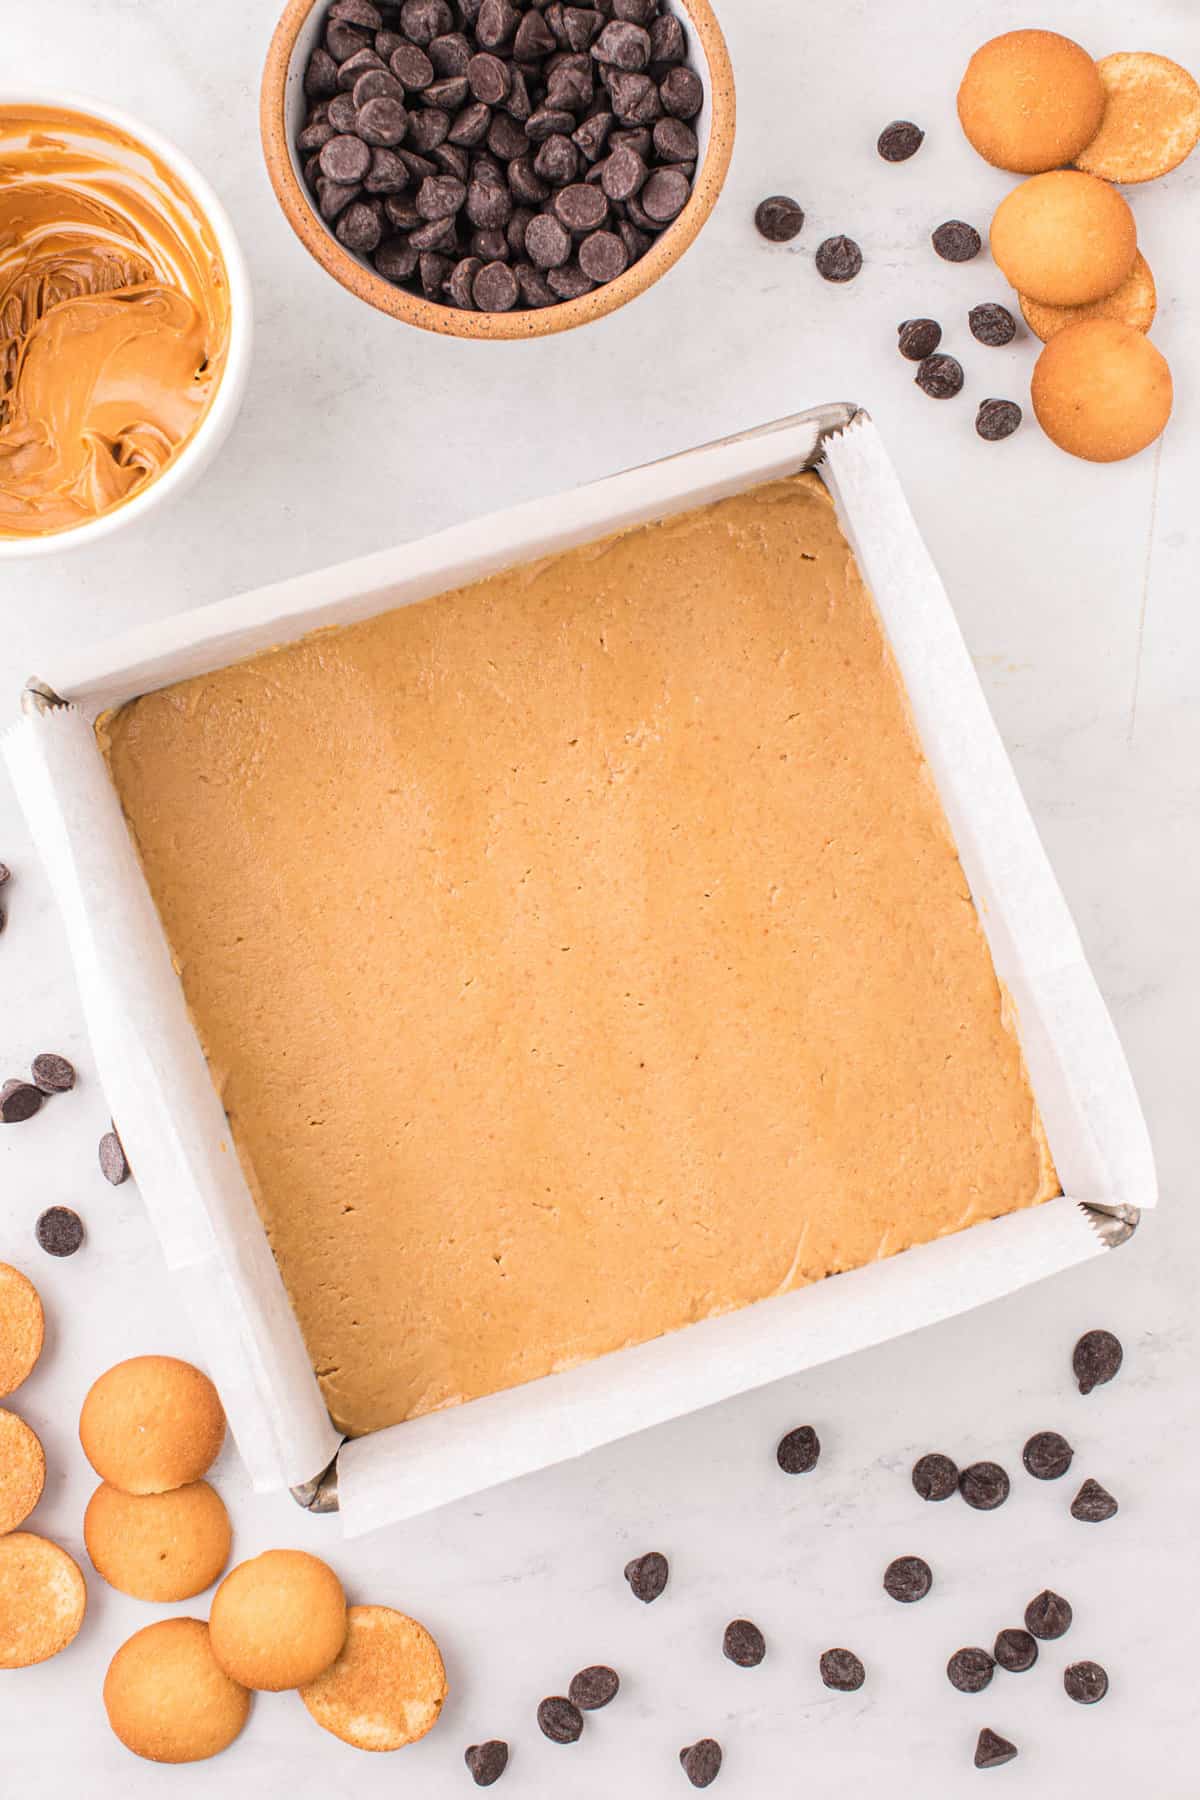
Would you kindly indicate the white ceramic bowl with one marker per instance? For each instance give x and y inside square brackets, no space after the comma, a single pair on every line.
[215,425]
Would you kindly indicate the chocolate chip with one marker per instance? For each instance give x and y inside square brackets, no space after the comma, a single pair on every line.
[997,419]
[934,1476]
[434,271]
[449,94]
[675,142]
[321,76]
[345,160]
[1086,1682]
[624,45]
[534,39]
[992,324]
[113,1163]
[899,140]
[1093,1504]
[665,195]
[992,1750]
[918,338]
[744,1643]
[842,1670]
[357,65]
[387,173]
[957,242]
[440,197]
[984,1485]
[590,138]
[1096,1359]
[489,204]
[1049,1615]
[570,90]
[1047,1455]
[668,44]
[344,41]
[635,99]
[52,1073]
[548,122]
[412,68]
[490,78]
[622,174]
[471,126]
[838,259]
[535,291]
[1015,1650]
[907,1579]
[497,22]
[647,1575]
[491,246]
[424,20]
[636,242]
[495,288]
[547,243]
[798,1451]
[59,1231]
[779,218]
[701,1762]
[580,208]
[426,129]
[449,54]
[594,1687]
[638,12]
[970,1670]
[316,134]
[940,376]
[357,12]
[19,1101]
[402,212]
[514,231]
[395,259]
[569,281]
[460,283]
[525,182]
[506,139]
[602,257]
[560,1720]
[581,25]
[681,93]
[557,161]
[487,1762]
[376,84]
[360,227]
[333,197]
[343,114]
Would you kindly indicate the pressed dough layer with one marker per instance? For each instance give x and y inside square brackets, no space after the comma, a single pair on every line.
[580,954]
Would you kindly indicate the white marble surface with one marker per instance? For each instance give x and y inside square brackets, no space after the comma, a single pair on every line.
[1076,587]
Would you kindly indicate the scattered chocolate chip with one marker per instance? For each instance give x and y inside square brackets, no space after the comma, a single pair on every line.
[956,241]
[487,1762]
[992,325]
[59,1231]
[701,1762]
[52,1073]
[1086,1682]
[934,1476]
[918,338]
[779,219]
[594,1687]
[838,259]
[560,1720]
[907,1579]
[113,1165]
[1096,1359]
[997,419]
[19,1101]
[940,376]
[1049,1615]
[992,1750]
[647,1575]
[984,1485]
[970,1670]
[842,1670]
[1015,1650]
[899,140]
[1093,1504]
[799,1451]
[1047,1455]
[744,1643]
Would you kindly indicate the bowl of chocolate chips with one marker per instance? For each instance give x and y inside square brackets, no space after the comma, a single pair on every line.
[497,168]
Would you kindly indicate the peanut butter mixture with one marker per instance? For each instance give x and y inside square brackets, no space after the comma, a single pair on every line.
[580,954]
[114,319]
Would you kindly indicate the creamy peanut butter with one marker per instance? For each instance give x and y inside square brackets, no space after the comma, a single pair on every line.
[580,954]
[114,319]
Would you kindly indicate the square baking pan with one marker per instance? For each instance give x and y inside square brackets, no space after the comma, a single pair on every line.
[170,1117]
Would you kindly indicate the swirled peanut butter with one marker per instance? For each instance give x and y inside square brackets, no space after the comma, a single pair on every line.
[114,319]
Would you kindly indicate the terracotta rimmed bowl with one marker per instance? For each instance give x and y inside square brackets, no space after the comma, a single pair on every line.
[282,110]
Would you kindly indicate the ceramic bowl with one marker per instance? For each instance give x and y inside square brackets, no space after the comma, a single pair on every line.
[214,427]
[282,115]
